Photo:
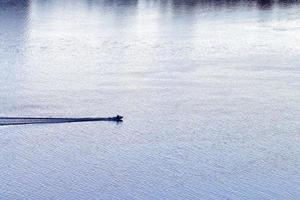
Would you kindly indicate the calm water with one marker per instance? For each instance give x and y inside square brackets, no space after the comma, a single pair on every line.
[209,91]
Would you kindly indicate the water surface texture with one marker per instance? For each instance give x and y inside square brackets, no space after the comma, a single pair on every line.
[209,91]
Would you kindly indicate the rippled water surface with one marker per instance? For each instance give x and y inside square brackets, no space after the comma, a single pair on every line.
[209,91]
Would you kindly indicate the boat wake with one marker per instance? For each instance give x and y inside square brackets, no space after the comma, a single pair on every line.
[6,121]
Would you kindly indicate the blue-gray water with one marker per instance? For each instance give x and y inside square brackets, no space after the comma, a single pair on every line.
[209,91]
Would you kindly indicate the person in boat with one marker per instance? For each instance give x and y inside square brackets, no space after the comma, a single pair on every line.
[118,118]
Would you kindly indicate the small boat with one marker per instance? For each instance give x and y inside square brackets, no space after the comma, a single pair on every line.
[117,118]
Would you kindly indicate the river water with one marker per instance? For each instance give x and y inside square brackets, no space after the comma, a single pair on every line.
[209,91]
